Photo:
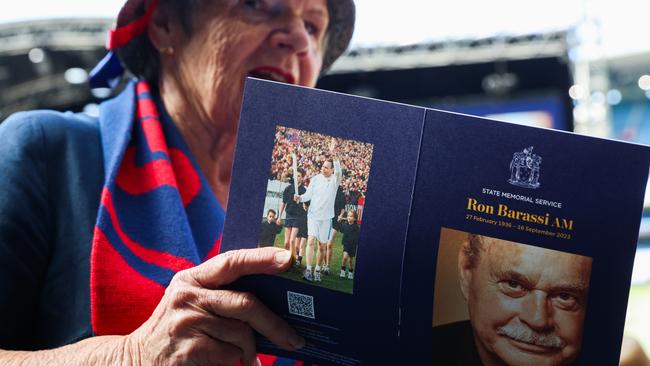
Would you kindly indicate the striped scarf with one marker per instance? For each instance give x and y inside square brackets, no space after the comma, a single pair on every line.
[157,216]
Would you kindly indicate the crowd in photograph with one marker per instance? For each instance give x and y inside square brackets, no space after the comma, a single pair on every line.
[311,150]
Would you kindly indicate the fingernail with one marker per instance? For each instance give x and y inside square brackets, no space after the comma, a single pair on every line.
[282,257]
[296,341]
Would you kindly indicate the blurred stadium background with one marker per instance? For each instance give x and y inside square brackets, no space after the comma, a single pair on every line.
[580,66]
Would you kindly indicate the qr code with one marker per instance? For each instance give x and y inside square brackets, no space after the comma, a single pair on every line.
[300,304]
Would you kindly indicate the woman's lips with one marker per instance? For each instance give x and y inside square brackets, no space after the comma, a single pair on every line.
[272,73]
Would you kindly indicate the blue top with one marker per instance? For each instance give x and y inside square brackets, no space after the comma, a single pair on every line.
[50,185]
[52,176]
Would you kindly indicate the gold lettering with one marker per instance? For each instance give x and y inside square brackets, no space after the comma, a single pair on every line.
[474,205]
[503,210]
[525,216]
[563,223]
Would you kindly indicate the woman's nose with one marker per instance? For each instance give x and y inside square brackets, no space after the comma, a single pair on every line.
[291,35]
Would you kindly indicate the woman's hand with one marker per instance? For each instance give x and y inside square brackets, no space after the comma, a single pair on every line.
[197,323]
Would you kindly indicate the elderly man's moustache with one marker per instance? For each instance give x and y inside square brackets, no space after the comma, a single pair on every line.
[523,333]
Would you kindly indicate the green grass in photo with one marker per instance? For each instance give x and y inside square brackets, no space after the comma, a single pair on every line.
[331,281]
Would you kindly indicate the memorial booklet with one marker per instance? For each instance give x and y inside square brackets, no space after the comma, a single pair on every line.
[430,237]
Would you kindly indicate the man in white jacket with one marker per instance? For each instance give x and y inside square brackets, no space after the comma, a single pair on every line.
[322,194]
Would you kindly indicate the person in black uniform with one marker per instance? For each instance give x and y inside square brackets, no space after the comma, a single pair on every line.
[350,230]
[270,228]
[301,239]
[294,214]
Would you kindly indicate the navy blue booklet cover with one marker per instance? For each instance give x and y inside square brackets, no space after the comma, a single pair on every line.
[432,237]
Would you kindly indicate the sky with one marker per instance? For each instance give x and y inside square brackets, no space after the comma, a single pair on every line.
[383,22]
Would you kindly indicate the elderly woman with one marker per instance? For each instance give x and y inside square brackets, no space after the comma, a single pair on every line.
[110,227]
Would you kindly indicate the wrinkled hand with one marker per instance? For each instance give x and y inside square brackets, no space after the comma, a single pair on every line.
[197,323]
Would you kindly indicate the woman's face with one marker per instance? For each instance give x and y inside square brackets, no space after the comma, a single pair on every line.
[280,40]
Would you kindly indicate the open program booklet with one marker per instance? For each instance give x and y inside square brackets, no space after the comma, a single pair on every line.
[430,237]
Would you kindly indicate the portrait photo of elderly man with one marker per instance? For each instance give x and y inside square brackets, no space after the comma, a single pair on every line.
[524,305]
